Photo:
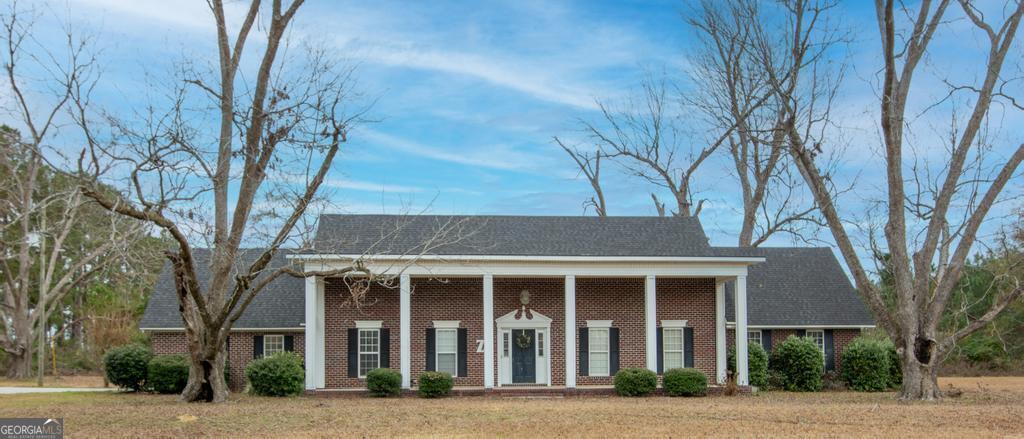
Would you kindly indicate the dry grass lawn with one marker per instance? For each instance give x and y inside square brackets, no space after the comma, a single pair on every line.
[62,381]
[995,409]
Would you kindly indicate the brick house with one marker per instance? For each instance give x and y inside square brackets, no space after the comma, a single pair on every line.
[505,301]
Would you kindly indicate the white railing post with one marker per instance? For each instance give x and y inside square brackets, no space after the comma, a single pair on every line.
[405,330]
[570,331]
[741,331]
[488,331]
[721,360]
[651,322]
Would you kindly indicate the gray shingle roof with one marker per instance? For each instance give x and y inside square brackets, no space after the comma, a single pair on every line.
[512,235]
[280,305]
[799,286]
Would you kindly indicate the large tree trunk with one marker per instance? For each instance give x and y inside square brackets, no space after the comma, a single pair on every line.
[19,366]
[206,377]
[920,380]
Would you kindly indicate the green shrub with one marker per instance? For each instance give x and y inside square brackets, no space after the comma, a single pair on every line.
[685,382]
[635,382]
[167,374]
[895,371]
[126,366]
[981,349]
[800,363]
[435,384]
[384,382]
[757,364]
[280,374]
[866,365]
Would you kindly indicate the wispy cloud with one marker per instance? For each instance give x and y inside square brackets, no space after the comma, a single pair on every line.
[487,156]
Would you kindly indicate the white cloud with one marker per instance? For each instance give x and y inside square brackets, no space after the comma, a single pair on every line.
[490,156]
[344,183]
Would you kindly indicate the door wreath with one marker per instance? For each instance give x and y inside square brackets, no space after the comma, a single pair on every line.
[523,340]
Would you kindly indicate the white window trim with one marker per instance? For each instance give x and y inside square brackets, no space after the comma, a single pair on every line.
[599,324]
[807,334]
[369,324]
[266,338]
[675,323]
[437,351]
[359,349]
[665,348]
[760,336]
[447,324]
[590,350]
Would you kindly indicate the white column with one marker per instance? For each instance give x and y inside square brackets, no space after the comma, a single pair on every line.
[570,331]
[721,361]
[741,331]
[320,349]
[405,330]
[488,331]
[311,333]
[651,321]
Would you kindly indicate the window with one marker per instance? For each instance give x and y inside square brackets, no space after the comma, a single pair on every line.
[754,337]
[672,348]
[369,351]
[540,343]
[272,344]
[598,340]
[504,344]
[818,336]
[447,350]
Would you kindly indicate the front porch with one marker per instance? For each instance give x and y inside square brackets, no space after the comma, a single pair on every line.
[563,324]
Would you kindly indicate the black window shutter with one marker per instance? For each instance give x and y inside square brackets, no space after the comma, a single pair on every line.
[613,351]
[289,343]
[463,340]
[353,353]
[584,352]
[801,332]
[385,348]
[660,348]
[766,340]
[687,347]
[430,350]
[257,346]
[830,352]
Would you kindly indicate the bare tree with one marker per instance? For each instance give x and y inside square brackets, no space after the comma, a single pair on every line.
[51,246]
[733,93]
[646,136]
[590,167]
[950,204]
[260,169]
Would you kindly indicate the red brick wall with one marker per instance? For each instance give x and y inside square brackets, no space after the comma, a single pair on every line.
[547,296]
[380,304]
[620,300]
[692,300]
[447,299]
[239,353]
[840,339]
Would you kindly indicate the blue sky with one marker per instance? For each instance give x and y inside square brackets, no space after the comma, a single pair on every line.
[470,94]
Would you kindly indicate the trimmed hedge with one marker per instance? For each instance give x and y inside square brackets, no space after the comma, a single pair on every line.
[435,384]
[799,363]
[384,382]
[167,374]
[126,366]
[635,382]
[280,374]
[685,382]
[866,365]
[757,364]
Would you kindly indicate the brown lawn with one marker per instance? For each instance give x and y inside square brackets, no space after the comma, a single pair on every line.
[61,381]
[995,409]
